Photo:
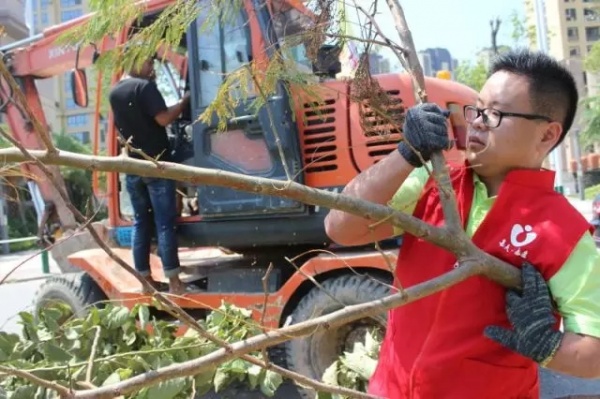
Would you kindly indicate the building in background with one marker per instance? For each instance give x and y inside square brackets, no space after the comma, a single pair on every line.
[487,54]
[378,64]
[434,60]
[13,26]
[62,112]
[573,26]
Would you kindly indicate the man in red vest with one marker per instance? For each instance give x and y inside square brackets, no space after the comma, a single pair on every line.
[476,339]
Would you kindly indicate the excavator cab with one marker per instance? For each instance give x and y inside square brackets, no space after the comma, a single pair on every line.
[248,143]
[261,144]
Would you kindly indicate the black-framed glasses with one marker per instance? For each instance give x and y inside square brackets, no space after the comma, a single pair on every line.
[492,117]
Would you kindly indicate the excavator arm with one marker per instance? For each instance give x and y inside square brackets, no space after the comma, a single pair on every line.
[44,56]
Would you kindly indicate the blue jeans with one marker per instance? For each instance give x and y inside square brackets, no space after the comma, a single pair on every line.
[154,199]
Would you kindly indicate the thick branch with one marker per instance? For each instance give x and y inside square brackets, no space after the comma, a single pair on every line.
[503,273]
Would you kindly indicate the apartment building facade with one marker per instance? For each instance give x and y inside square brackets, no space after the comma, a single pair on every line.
[573,26]
[64,116]
[12,24]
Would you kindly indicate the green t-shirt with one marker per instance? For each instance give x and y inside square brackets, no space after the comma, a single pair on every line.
[575,287]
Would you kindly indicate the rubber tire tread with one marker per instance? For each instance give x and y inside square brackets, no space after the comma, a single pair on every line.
[349,289]
[79,290]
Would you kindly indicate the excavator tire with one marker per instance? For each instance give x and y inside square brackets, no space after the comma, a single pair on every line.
[77,290]
[312,354]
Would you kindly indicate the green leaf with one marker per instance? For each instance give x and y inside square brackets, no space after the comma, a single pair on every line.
[254,374]
[114,378]
[51,317]
[8,342]
[330,376]
[168,389]
[24,392]
[238,366]
[360,363]
[204,381]
[72,333]
[270,383]
[144,315]
[118,317]
[130,338]
[117,376]
[222,379]
[29,326]
[40,393]
[55,354]
[45,335]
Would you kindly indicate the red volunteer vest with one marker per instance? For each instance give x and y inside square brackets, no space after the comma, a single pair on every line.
[434,348]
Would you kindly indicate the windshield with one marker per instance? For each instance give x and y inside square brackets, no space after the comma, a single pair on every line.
[289,25]
[169,82]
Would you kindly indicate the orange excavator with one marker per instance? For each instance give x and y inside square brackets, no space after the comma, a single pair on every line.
[228,238]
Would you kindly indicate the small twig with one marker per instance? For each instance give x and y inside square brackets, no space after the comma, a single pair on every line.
[62,391]
[387,262]
[265,285]
[398,51]
[314,281]
[384,43]
[90,365]
[130,148]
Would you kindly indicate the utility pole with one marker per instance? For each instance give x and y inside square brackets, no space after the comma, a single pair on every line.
[542,40]
[577,145]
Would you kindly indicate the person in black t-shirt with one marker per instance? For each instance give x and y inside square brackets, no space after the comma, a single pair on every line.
[141,115]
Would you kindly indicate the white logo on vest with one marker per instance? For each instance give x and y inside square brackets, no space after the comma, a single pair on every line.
[520,236]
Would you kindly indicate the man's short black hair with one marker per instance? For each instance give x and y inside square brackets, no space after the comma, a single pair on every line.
[552,87]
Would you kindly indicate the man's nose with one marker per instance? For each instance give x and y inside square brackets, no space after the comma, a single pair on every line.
[478,123]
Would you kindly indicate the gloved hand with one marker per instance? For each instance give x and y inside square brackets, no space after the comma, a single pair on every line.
[426,131]
[530,314]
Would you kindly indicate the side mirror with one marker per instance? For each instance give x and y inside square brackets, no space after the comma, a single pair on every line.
[79,89]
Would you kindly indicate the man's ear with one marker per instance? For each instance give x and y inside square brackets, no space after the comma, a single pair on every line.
[552,134]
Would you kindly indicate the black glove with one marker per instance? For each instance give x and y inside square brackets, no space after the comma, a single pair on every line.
[530,314]
[426,131]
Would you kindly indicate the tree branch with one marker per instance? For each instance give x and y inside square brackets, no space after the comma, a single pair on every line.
[501,272]
[440,171]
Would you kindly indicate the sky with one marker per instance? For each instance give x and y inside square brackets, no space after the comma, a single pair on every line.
[461,26]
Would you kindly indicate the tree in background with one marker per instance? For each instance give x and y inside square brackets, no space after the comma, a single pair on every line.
[22,219]
[475,73]
[591,104]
